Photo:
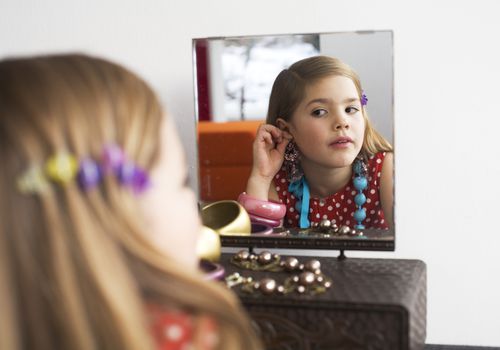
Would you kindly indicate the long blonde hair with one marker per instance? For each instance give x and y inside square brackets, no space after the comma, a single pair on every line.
[76,268]
[289,89]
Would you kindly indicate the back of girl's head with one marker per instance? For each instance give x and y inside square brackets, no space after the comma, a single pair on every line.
[75,265]
[289,90]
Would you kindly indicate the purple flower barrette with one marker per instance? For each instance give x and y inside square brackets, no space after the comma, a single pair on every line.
[364,99]
[112,158]
[89,174]
[130,174]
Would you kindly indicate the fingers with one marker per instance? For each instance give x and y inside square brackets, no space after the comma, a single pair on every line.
[282,145]
[271,135]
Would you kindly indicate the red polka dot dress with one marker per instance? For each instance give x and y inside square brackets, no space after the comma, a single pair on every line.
[340,206]
[175,330]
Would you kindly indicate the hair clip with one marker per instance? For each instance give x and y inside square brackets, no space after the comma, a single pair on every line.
[112,158]
[140,181]
[132,175]
[364,99]
[32,181]
[89,174]
[61,168]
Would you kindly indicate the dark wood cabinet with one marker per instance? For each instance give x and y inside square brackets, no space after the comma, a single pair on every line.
[372,304]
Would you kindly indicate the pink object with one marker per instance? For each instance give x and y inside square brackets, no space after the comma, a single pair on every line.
[255,219]
[212,271]
[264,209]
[261,229]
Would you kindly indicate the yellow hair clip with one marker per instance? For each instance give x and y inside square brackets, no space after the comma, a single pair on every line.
[61,168]
[32,181]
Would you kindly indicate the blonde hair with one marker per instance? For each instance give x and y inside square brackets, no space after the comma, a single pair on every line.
[76,269]
[289,89]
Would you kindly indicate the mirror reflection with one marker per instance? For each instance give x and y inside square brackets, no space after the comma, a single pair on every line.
[304,122]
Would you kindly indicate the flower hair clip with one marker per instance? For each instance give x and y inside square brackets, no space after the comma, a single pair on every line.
[364,99]
[63,168]
[127,172]
[32,181]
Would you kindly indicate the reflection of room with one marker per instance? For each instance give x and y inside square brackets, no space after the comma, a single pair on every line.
[234,77]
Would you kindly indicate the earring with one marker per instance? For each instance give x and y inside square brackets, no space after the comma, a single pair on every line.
[292,162]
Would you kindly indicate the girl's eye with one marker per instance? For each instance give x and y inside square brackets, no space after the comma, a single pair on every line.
[319,112]
[351,110]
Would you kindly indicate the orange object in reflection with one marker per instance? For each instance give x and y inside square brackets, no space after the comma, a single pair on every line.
[225,158]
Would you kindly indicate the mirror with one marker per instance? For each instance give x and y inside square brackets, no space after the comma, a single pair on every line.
[233,80]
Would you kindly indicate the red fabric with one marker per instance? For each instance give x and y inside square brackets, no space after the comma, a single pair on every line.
[175,330]
[339,207]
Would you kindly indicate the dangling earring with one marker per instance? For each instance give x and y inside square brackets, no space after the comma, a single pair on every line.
[292,162]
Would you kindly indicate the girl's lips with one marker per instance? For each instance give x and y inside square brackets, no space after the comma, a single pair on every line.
[341,142]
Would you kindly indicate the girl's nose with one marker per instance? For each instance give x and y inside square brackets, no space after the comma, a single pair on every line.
[340,123]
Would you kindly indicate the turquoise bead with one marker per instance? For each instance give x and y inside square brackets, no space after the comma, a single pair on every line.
[360,199]
[360,183]
[360,215]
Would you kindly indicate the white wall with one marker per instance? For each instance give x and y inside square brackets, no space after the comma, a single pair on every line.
[447,80]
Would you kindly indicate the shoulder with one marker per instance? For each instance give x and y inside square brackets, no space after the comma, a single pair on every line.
[175,329]
[377,162]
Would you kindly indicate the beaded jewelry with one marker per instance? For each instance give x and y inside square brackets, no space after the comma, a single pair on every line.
[360,183]
[300,189]
[292,164]
[309,280]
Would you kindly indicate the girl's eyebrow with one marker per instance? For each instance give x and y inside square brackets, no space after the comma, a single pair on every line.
[328,100]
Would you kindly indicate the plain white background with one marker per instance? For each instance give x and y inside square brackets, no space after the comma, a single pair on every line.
[447,83]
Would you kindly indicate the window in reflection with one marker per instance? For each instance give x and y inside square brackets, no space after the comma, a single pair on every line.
[242,71]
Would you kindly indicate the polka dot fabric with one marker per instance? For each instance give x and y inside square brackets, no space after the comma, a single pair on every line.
[339,207]
[175,330]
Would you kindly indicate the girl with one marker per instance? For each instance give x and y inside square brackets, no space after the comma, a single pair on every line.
[318,153]
[97,226]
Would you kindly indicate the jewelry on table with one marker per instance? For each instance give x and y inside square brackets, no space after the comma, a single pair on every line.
[264,261]
[310,279]
[329,229]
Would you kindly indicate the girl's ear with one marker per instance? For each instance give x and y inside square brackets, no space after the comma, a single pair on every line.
[282,124]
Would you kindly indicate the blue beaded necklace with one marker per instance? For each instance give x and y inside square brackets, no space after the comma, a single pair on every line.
[300,189]
[360,183]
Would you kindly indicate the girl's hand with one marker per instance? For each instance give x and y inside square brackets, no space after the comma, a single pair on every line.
[268,151]
[268,155]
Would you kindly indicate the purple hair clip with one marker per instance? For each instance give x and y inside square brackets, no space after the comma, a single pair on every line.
[112,158]
[127,172]
[130,174]
[364,99]
[89,174]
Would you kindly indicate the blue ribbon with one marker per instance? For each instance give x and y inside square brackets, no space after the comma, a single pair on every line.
[300,190]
